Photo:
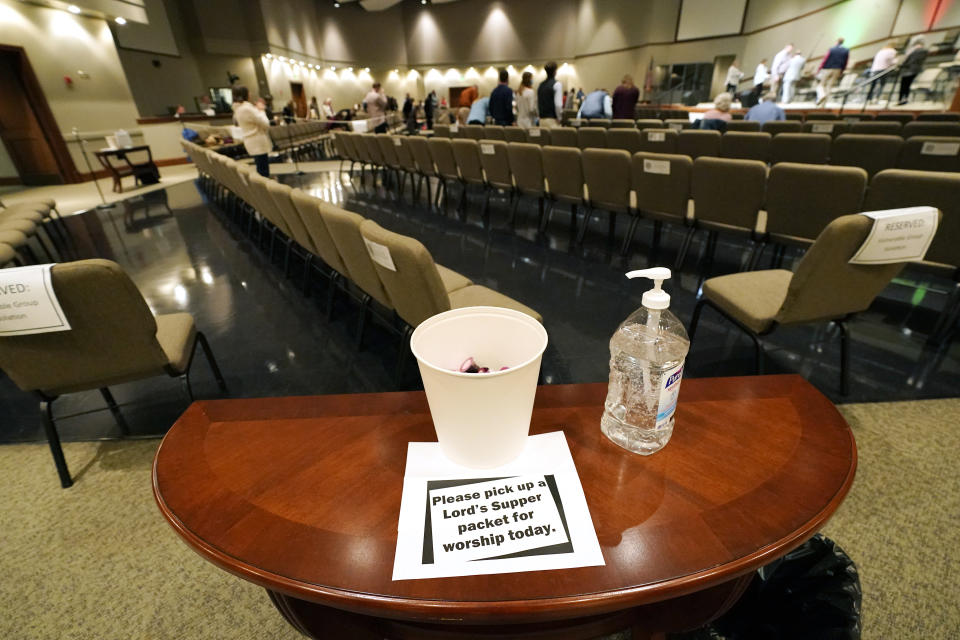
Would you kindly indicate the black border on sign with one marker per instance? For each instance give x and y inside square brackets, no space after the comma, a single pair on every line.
[553,549]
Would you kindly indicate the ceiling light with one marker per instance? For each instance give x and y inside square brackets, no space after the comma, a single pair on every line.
[366,69]
[120,20]
[336,5]
[423,1]
[73,8]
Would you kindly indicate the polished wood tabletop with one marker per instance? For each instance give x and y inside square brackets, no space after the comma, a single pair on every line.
[301,495]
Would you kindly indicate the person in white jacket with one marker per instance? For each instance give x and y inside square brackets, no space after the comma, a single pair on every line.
[779,67]
[255,127]
[526,102]
[792,74]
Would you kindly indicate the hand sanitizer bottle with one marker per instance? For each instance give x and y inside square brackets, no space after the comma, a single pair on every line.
[646,365]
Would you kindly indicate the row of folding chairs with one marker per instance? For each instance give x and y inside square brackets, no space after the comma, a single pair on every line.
[675,115]
[387,274]
[871,152]
[305,137]
[33,232]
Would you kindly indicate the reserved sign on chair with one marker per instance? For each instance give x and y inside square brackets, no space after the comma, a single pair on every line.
[28,303]
[898,235]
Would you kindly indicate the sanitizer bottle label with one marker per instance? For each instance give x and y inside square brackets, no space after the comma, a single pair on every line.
[668,395]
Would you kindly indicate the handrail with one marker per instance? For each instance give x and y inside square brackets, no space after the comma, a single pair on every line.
[860,86]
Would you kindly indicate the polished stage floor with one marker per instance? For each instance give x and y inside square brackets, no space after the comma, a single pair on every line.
[271,340]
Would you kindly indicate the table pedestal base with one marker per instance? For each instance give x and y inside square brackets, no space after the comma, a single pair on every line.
[645,622]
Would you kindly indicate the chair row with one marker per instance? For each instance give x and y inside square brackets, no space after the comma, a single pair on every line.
[32,232]
[386,273]
[298,137]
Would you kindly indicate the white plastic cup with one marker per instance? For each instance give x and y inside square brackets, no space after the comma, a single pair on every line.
[482,419]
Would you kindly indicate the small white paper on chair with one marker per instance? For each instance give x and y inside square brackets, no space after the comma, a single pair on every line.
[380,254]
[28,303]
[940,149]
[898,235]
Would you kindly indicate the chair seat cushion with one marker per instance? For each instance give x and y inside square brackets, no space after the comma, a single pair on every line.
[176,334]
[6,253]
[13,238]
[22,214]
[478,296]
[452,281]
[23,225]
[20,207]
[752,298]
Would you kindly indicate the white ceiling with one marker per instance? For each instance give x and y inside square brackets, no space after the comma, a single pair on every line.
[380,5]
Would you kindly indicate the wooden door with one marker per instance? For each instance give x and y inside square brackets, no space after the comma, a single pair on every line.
[299,99]
[455,96]
[21,130]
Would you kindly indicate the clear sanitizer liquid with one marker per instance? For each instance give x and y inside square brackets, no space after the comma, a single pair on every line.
[647,353]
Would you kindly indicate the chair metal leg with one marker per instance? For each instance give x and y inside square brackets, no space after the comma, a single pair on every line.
[695,320]
[844,357]
[582,233]
[53,439]
[208,353]
[757,353]
[307,263]
[115,410]
[362,322]
[402,356]
[684,247]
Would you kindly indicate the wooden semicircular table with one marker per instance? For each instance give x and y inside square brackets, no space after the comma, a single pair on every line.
[302,495]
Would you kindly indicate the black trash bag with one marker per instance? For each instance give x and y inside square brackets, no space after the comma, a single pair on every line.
[812,592]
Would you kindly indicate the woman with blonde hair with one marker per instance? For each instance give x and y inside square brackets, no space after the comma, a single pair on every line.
[526,102]
[721,108]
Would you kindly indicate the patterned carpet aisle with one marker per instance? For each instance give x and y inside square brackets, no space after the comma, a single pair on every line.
[98,561]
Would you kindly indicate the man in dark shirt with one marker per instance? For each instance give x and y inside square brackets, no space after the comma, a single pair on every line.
[830,70]
[501,101]
[625,99]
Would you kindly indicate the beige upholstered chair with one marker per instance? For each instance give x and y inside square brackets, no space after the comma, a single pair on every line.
[466,153]
[773,127]
[324,247]
[441,130]
[441,150]
[606,172]
[599,122]
[618,123]
[514,134]
[538,136]
[808,148]
[930,153]
[746,145]
[677,124]
[869,152]
[649,123]
[592,138]
[884,128]
[658,140]
[405,160]
[743,125]
[420,150]
[8,255]
[474,131]
[526,165]
[832,128]
[563,174]
[390,158]
[661,183]
[493,132]
[695,143]
[113,341]
[825,287]
[496,172]
[564,137]
[623,138]
[928,128]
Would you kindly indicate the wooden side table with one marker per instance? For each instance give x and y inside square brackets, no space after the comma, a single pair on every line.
[124,162]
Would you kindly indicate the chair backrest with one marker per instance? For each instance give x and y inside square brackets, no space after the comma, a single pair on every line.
[832,128]
[281,195]
[467,155]
[526,165]
[728,194]
[563,173]
[344,228]
[794,116]
[350,146]
[662,184]
[649,123]
[743,125]
[902,118]
[401,145]
[927,128]
[599,122]
[112,336]
[441,150]
[898,188]
[695,143]
[626,139]
[360,146]
[493,132]
[606,173]
[947,116]
[828,115]
[420,149]
[773,127]
[658,140]
[592,138]
[264,203]
[340,145]
[810,148]
[746,145]
[373,148]
[930,153]
[677,124]
[441,130]
[873,153]
[514,134]
[825,286]
[619,123]
[326,249]
[474,131]
[564,137]
[414,284]
[802,199]
[882,127]
[538,135]
[388,151]
[496,164]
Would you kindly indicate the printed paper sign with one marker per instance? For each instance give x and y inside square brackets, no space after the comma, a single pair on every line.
[534,133]
[656,136]
[898,235]
[940,148]
[454,127]
[822,128]
[656,166]
[380,254]
[528,515]
[676,126]
[397,142]
[486,149]
[359,126]
[28,303]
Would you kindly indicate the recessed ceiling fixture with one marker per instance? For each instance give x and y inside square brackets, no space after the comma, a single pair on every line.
[73,8]
[336,5]
[120,20]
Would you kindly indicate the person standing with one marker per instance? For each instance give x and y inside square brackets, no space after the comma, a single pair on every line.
[733,78]
[479,111]
[526,102]
[376,104]
[831,67]
[625,98]
[468,95]
[429,105]
[883,60]
[570,100]
[314,111]
[760,75]
[766,111]
[255,127]
[779,66]
[597,104]
[910,68]
[407,107]
[501,101]
[550,97]
[289,115]
[580,96]
[792,74]
[328,112]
